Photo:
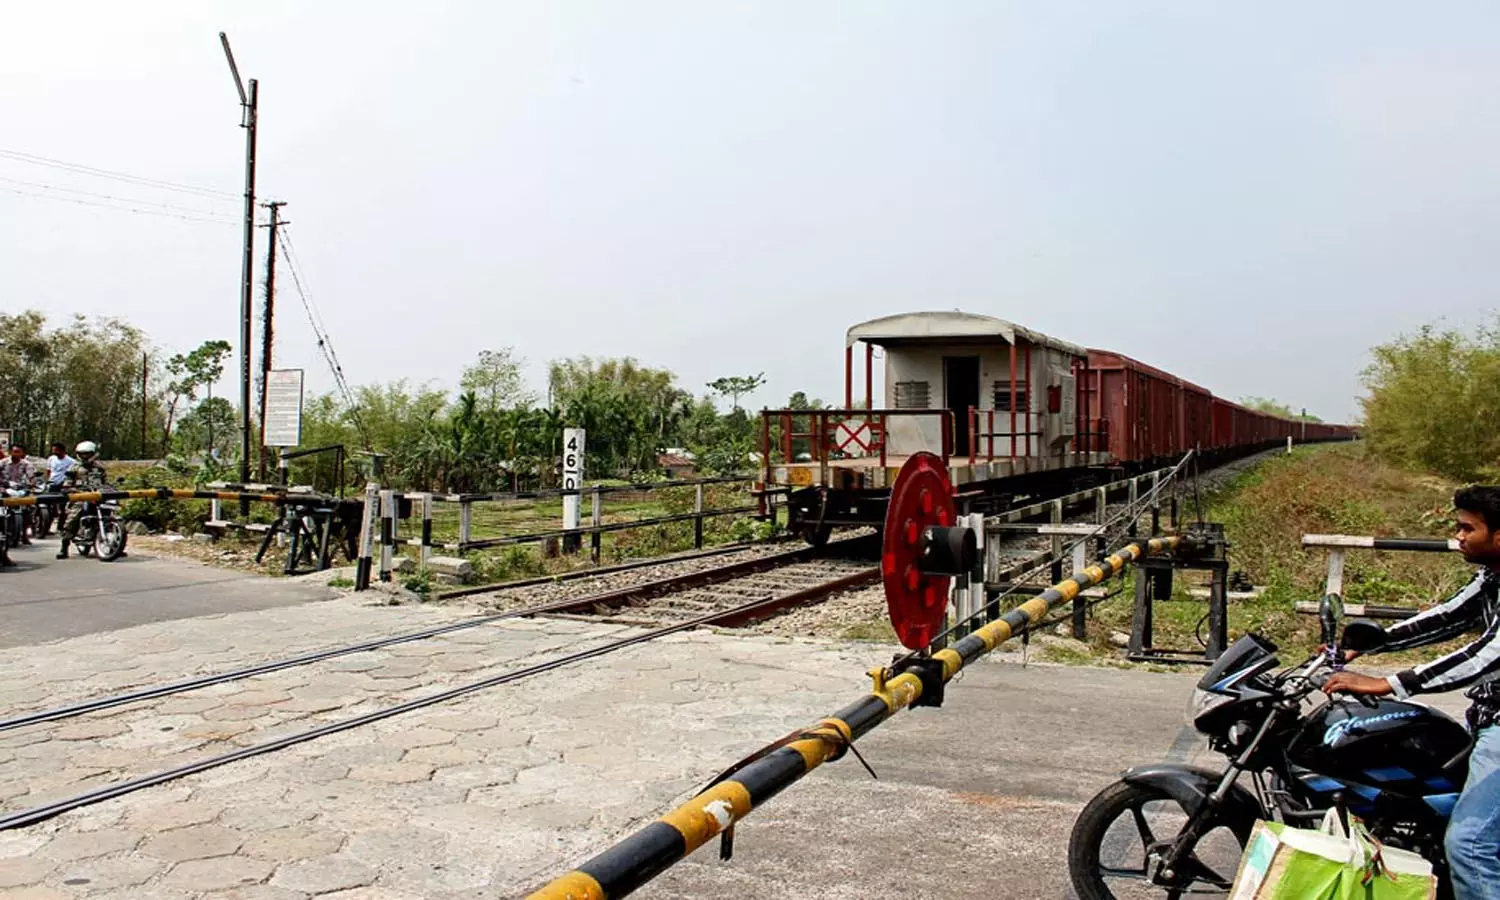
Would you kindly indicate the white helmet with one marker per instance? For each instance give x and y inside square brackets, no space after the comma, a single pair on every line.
[86,447]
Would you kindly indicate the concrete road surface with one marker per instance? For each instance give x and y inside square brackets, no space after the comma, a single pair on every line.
[44,599]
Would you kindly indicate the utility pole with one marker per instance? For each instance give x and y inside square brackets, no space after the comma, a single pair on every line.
[266,325]
[145,364]
[248,114]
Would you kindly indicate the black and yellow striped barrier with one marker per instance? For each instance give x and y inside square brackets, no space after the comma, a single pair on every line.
[160,494]
[642,856]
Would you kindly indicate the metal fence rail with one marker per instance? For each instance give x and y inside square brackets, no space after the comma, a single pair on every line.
[1339,544]
[386,509]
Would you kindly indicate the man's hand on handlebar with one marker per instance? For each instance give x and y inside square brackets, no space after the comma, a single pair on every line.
[1355,683]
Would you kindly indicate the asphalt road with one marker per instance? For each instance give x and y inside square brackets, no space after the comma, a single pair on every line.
[45,599]
[976,799]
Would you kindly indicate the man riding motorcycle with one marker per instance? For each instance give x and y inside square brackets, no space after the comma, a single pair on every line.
[18,471]
[1473,839]
[59,464]
[87,475]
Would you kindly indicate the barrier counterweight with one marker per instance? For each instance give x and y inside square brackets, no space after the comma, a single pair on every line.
[648,852]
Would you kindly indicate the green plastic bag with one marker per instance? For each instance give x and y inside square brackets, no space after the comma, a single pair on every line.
[1330,863]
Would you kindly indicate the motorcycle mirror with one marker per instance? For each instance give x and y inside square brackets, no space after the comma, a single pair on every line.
[1330,616]
[1364,635]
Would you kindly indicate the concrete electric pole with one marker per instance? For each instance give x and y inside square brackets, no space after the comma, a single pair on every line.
[248,115]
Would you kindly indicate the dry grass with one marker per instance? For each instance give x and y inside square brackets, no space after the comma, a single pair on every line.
[1315,490]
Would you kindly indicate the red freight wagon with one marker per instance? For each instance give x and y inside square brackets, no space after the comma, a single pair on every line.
[1147,413]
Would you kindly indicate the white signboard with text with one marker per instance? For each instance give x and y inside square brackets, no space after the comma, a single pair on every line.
[283,426]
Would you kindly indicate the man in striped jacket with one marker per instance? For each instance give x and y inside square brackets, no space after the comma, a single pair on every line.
[1473,840]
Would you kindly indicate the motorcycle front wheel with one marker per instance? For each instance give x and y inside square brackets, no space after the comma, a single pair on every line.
[1119,833]
[109,543]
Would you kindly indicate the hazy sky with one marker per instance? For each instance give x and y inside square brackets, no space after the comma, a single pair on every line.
[1248,195]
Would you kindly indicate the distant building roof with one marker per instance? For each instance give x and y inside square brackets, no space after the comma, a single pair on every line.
[673,461]
[931,327]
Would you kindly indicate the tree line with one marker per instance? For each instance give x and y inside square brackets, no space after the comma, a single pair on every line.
[103,380]
[1434,402]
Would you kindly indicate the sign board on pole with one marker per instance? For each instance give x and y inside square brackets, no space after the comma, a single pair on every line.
[283,408]
[572,474]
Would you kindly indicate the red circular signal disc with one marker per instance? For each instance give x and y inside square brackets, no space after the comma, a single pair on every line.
[917,600]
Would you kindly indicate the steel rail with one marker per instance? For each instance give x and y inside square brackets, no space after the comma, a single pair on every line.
[603,570]
[632,862]
[753,609]
[684,581]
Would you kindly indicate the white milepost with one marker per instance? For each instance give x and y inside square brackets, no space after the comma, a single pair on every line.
[572,480]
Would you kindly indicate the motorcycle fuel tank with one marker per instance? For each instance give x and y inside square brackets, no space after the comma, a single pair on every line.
[1393,749]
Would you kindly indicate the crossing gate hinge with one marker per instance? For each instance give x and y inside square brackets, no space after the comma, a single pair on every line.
[929,671]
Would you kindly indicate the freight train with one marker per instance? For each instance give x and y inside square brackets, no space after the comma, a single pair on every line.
[1011,411]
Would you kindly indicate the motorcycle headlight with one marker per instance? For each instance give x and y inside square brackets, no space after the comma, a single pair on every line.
[1205,702]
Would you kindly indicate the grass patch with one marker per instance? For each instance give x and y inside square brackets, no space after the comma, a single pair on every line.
[878,630]
[1324,489]
[419,583]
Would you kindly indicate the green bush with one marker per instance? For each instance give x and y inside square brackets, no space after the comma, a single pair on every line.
[1434,402]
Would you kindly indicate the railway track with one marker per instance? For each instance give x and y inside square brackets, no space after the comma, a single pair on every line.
[264,717]
[252,711]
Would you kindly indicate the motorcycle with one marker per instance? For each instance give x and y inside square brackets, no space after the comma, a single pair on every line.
[1179,829]
[100,531]
[15,520]
[11,521]
[43,515]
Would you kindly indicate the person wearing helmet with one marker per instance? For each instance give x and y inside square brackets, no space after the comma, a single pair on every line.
[87,475]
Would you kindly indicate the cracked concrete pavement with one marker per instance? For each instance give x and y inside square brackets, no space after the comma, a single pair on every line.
[491,794]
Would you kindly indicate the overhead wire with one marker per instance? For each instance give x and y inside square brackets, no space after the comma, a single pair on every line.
[320,332]
[96,172]
[125,209]
[136,202]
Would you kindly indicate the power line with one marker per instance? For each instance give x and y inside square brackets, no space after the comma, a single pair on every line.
[67,190]
[95,172]
[320,332]
[124,209]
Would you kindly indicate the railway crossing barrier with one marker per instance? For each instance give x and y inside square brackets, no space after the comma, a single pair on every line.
[928,551]
[307,520]
[913,680]
[1338,546]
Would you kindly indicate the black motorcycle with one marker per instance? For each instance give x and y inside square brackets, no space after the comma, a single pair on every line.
[12,523]
[1180,830]
[100,531]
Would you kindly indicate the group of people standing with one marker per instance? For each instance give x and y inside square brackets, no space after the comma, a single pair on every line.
[64,473]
